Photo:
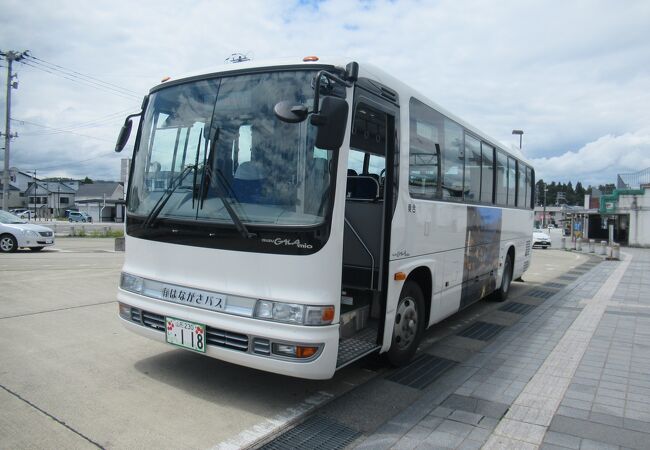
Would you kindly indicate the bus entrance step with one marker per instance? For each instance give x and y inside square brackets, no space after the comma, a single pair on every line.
[360,344]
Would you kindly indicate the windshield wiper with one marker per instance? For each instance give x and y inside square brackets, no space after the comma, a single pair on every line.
[162,201]
[221,189]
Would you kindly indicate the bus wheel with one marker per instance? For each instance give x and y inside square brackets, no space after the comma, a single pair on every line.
[409,325]
[501,294]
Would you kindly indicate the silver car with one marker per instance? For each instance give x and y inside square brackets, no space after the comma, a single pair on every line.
[15,233]
[79,216]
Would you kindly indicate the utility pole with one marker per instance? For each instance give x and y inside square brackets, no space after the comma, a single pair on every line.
[35,189]
[10,56]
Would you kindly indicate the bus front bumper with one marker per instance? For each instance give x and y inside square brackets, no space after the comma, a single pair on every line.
[239,340]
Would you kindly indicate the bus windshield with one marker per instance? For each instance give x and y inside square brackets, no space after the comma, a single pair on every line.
[213,151]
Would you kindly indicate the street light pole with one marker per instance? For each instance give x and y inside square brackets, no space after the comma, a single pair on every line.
[544,213]
[35,191]
[520,133]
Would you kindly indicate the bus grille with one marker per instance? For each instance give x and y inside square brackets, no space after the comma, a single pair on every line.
[221,338]
[262,346]
[216,337]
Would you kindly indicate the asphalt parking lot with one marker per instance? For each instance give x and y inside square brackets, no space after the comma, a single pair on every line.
[72,377]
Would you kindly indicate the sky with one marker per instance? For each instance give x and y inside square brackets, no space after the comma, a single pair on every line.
[575,76]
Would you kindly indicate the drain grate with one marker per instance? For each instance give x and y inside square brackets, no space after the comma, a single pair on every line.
[421,372]
[568,277]
[578,271]
[555,285]
[539,293]
[317,432]
[482,331]
[517,308]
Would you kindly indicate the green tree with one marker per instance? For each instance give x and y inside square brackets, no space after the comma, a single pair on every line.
[87,181]
[580,193]
[606,188]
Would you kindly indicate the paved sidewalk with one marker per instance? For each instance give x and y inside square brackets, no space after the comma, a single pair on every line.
[573,372]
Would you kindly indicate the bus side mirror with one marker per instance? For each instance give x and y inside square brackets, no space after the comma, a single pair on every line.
[123,137]
[330,121]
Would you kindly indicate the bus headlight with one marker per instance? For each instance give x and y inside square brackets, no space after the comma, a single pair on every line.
[294,313]
[131,283]
[319,315]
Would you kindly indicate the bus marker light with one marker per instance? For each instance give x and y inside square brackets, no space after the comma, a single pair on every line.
[167,78]
[328,314]
[305,352]
[400,276]
[310,58]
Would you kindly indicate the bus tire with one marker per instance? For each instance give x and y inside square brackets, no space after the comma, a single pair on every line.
[501,294]
[409,325]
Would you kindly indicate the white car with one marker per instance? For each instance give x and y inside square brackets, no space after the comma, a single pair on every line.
[15,232]
[22,213]
[541,239]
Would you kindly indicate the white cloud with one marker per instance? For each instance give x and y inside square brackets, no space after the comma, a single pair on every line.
[595,162]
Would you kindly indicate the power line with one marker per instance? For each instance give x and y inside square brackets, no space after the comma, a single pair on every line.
[49,132]
[96,122]
[99,119]
[78,80]
[75,162]
[46,63]
[81,81]
[58,129]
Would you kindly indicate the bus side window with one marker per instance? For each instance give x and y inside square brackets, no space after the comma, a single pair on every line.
[426,129]
[530,198]
[512,182]
[355,162]
[369,130]
[367,154]
[453,162]
[487,173]
[522,183]
[473,169]
[501,187]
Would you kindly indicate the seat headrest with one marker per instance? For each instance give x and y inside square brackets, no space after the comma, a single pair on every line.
[249,171]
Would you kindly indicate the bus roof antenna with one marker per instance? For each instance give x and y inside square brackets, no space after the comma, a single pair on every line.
[237,58]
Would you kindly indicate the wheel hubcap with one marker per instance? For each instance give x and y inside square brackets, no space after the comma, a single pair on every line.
[406,323]
[6,244]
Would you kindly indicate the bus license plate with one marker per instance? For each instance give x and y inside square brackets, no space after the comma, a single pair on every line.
[185,334]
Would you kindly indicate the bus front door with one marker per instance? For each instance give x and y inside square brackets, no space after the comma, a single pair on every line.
[370,203]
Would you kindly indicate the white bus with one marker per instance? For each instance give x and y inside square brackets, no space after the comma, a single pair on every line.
[298,215]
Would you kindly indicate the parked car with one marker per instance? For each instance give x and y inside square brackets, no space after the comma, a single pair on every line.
[79,216]
[15,233]
[22,213]
[541,239]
